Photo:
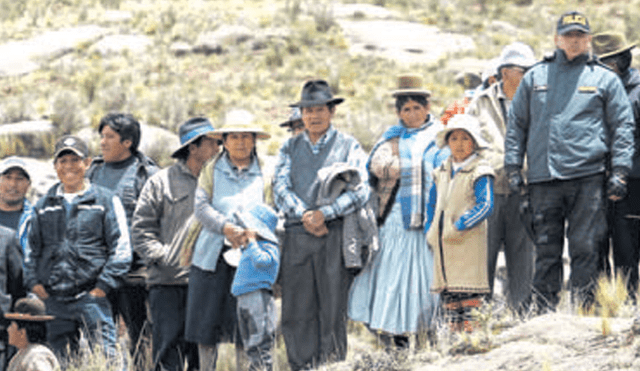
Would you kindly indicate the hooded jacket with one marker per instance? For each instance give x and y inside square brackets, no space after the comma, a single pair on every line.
[571,118]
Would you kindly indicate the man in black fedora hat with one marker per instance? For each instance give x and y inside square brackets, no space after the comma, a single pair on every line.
[613,50]
[315,282]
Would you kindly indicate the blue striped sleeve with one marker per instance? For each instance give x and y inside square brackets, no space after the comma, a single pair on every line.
[483,189]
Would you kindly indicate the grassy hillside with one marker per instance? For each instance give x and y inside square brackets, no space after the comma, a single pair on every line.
[162,89]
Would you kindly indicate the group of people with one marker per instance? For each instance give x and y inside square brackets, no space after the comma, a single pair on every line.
[393,239]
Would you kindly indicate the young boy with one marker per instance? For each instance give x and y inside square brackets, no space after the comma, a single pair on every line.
[256,273]
[462,197]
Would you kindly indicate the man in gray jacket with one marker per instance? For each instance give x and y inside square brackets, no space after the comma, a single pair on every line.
[160,225]
[572,118]
[505,231]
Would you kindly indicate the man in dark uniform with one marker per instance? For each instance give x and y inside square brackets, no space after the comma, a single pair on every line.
[572,118]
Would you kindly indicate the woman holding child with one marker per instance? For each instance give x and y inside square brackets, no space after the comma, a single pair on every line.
[392,294]
[231,181]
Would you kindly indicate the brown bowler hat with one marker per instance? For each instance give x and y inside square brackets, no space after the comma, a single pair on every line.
[608,44]
[29,309]
[410,85]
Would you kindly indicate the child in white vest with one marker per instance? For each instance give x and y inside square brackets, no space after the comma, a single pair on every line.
[460,201]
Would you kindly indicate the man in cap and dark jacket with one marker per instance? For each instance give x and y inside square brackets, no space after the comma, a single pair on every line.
[613,50]
[572,118]
[160,226]
[315,282]
[78,250]
[490,106]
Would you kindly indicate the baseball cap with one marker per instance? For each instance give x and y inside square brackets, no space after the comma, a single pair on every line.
[573,21]
[14,163]
[73,144]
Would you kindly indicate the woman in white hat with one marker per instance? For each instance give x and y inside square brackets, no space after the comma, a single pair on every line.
[232,180]
[392,294]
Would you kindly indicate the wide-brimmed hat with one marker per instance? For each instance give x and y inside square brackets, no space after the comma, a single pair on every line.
[73,144]
[191,130]
[294,116]
[29,309]
[410,85]
[13,162]
[261,218]
[516,54]
[240,121]
[608,44]
[316,93]
[464,122]
[572,21]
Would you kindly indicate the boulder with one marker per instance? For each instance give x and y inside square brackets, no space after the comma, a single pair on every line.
[215,42]
[403,42]
[116,44]
[24,56]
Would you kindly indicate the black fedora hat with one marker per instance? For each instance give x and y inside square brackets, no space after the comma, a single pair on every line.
[316,93]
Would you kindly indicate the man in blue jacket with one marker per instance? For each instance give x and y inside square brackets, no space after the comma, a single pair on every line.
[572,118]
[78,249]
[613,50]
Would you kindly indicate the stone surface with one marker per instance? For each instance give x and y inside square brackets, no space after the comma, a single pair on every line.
[403,42]
[116,44]
[24,56]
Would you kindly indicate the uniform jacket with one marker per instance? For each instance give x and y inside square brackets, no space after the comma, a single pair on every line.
[460,256]
[631,81]
[569,116]
[10,270]
[160,221]
[76,251]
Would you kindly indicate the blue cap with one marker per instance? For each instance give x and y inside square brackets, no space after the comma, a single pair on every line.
[191,130]
[573,21]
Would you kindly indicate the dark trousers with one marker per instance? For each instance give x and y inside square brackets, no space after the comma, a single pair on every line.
[626,235]
[580,204]
[168,306]
[507,232]
[315,289]
[73,315]
[130,302]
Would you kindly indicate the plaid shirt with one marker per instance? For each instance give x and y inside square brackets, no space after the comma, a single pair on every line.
[293,207]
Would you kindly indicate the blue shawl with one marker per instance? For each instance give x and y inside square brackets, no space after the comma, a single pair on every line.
[416,145]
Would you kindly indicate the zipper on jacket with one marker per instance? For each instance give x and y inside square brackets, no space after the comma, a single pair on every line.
[440,230]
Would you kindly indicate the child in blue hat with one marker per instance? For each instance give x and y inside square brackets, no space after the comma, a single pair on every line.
[256,273]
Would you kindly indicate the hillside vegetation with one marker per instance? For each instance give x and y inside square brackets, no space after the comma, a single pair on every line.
[164,89]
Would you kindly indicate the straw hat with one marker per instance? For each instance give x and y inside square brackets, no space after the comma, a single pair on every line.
[239,121]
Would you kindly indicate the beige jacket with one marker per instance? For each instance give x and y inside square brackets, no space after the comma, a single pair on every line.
[460,257]
[487,108]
